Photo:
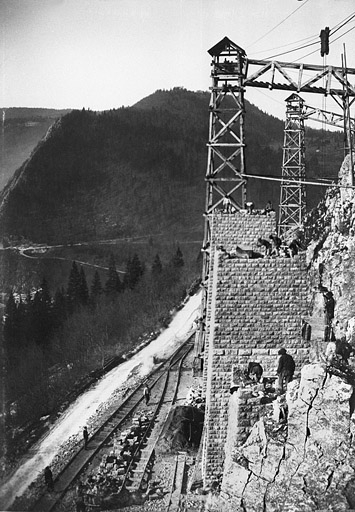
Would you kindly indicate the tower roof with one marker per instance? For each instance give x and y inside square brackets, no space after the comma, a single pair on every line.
[225,45]
[295,97]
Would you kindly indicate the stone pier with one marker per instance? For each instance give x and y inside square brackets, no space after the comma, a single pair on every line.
[254,307]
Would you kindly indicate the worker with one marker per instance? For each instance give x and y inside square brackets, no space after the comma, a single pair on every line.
[329,305]
[343,349]
[285,369]
[269,208]
[86,437]
[48,478]
[146,394]
[250,207]
[265,244]
[227,204]
[276,245]
[254,371]
[294,247]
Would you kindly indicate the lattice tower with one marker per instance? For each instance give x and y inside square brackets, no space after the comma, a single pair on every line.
[293,194]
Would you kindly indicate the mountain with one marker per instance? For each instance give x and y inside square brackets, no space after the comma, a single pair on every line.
[131,171]
[22,129]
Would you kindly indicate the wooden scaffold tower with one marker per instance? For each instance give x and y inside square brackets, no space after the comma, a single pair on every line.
[292,207]
[225,176]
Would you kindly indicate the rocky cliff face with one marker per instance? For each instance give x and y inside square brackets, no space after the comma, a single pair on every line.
[310,467]
[309,464]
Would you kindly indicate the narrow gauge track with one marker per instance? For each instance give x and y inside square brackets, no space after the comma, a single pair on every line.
[101,436]
[137,472]
[177,483]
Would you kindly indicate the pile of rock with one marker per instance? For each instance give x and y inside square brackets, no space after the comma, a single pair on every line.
[194,398]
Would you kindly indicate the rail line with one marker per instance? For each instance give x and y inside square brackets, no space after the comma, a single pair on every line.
[177,483]
[169,396]
[72,470]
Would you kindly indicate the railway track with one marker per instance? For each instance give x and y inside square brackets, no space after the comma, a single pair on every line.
[166,401]
[136,470]
[177,483]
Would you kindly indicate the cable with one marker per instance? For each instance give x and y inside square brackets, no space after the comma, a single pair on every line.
[297,182]
[294,50]
[282,21]
[335,29]
[269,97]
[283,45]
[350,29]
[315,51]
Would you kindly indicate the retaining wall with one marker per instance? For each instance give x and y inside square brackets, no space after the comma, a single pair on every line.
[254,308]
[231,229]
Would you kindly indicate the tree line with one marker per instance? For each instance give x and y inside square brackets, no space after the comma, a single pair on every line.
[34,317]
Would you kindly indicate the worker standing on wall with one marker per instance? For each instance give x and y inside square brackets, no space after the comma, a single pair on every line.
[329,306]
[285,369]
[276,245]
[227,204]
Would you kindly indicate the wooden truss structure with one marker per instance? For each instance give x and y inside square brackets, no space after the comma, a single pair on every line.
[232,72]
[292,206]
[226,145]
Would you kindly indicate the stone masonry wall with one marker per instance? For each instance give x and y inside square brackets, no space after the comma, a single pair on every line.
[229,230]
[245,410]
[254,308]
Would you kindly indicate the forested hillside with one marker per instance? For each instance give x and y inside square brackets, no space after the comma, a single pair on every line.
[138,170]
[21,131]
[135,175]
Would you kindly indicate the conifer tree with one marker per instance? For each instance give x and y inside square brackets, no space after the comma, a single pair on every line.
[134,272]
[45,295]
[157,266]
[96,288]
[74,287]
[59,308]
[178,259]
[41,315]
[84,292]
[113,284]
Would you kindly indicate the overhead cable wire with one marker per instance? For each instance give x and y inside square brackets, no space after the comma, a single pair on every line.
[270,97]
[335,29]
[315,51]
[280,23]
[284,45]
[350,29]
[294,50]
[297,182]
[332,31]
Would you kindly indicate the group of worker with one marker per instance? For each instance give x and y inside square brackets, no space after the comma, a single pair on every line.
[228,207]
[285,370]
[275,247]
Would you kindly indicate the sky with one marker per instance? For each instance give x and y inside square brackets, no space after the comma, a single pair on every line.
[103,54]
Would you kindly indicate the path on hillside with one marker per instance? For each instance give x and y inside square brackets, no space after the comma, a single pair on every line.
[22,252]
[41,255]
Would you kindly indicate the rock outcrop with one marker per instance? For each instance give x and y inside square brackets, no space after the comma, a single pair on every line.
[312,466]
[309,464]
